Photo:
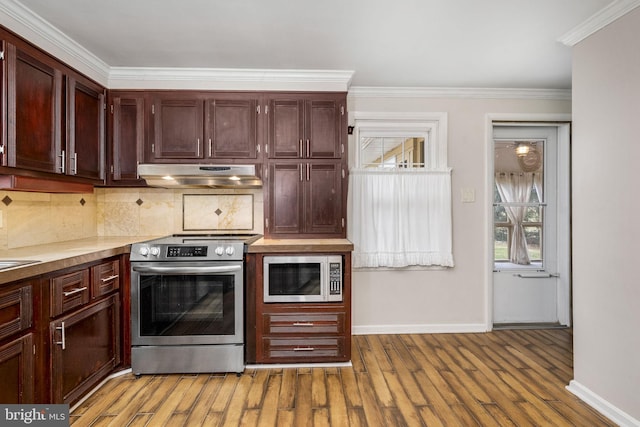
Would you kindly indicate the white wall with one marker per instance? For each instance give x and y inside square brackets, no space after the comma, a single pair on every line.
[452,299]
[606,206]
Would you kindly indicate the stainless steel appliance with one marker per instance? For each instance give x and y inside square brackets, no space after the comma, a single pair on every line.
[311,278]
[187,304]
[169,175]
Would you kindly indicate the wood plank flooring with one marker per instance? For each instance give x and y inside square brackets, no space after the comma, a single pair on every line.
[501,378]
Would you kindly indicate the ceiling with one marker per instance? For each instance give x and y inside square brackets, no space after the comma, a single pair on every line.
[400,43]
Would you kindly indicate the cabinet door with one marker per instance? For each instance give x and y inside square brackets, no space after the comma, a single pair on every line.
[127,138]
[232,128]
[286,128]
[34,116]
[323,198]
[16,311]
[178,129]
[17,371]
[85,132]
[84,349]
[285,198]
[323,128]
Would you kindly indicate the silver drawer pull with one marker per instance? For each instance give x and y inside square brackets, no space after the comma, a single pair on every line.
[61,328]
[304,349]
[302,323]
[75,291]
[110,278]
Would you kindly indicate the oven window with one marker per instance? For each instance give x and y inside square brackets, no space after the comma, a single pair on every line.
[294,279]
[183,305]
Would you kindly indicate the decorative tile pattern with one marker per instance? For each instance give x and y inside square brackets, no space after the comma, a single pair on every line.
[217,212]
[7,200]
[83,201]
[139,202]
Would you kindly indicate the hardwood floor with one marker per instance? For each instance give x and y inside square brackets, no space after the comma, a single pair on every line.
[502,378]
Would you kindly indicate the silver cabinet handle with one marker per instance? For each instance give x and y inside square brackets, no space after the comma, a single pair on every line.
[110,278]
[304,349]
[308,175]
[198,147]
[536,276]
[301,148]
[74,170]
[210,148]
[75,291]
[63,342]
[308,148]
[62,161]
[301,167]
[302,323]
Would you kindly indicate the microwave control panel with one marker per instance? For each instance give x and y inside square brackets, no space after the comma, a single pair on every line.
[335,278]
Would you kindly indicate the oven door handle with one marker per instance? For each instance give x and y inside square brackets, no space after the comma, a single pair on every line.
[187,270]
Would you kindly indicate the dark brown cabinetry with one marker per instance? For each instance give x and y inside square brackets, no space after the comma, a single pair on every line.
[201,126]
[309,126]
[305,198]
[17,344]
[296,332]
[126,137]
[84,330]
[86,129]
[54,118]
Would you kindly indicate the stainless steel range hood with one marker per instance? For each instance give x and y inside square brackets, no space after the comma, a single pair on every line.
[199,176]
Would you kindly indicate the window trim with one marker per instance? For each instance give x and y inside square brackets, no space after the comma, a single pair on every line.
[431,126]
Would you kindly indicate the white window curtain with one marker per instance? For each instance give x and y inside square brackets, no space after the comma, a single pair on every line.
[400,218]
[515,191]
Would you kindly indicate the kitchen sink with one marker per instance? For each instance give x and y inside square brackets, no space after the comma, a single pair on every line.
[9,263]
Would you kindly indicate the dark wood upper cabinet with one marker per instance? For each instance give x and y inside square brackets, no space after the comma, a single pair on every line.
[309,126]
[126,137]
[178,131]
[34,111]
[204,126]
[232,127]
[52,118]
[86,130]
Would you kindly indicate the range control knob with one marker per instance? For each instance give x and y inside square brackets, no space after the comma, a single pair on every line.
[219,251]
[229,251]
[155,251]
[144,251]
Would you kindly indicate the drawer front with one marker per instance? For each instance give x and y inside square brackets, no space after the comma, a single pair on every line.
[309,349]
[105,278]
[69,291]
[304,323]
[16,311]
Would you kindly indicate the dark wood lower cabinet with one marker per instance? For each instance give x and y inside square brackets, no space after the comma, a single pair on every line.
[16,371]
[85,347]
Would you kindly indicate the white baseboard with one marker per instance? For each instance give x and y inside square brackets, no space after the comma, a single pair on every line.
[453,328]
[604,407]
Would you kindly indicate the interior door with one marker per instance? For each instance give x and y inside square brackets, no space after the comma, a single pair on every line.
[530,226]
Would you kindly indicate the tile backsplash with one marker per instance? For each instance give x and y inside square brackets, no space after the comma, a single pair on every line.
[28,219]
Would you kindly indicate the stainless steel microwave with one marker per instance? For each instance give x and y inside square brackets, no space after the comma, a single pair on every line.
[310,278]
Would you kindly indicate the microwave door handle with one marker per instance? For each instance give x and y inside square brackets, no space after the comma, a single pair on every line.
[187,270]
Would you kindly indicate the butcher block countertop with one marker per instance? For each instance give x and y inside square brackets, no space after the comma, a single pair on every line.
[263,245]
[57,256]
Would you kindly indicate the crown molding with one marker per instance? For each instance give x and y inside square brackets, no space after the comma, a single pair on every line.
[27,24]
[598,21]
[459,92]
[229,78]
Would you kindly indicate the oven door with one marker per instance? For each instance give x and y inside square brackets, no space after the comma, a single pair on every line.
[177,303]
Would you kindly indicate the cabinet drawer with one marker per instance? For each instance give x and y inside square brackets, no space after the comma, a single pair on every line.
[105,278]
[69,291]
[303,323]
[16,311]
[304,348]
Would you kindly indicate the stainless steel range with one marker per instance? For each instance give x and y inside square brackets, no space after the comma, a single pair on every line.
[187,304]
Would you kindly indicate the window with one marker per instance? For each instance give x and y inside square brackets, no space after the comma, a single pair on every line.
[400,191]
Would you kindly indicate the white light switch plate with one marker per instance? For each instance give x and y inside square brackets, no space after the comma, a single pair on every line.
[468,195]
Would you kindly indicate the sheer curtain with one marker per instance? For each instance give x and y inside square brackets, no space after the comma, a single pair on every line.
[399,218]
[516,188]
